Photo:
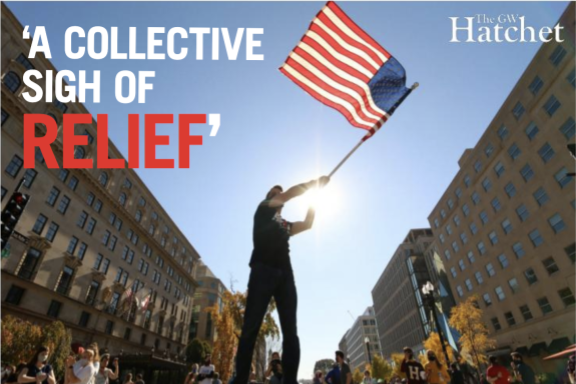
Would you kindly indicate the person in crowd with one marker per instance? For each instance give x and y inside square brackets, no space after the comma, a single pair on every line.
[571,368]
[7,371]
[483,379]
[496,373]
[345,373]
[367,378]
[521,372]
[206,371]
[105,374]
[317,379]
[333,376]
[128,379]
[139,379]
[191,376]
[216,379]
[82,371]
[413,370]
[457,376]
[38,370]
[274,371]
[436,372]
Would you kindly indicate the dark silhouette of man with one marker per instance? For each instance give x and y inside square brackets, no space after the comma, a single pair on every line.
[271,276]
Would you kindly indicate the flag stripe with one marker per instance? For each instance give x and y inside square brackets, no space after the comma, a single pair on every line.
[324,97]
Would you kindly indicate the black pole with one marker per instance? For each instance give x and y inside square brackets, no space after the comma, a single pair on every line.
[369,353]
[439,329]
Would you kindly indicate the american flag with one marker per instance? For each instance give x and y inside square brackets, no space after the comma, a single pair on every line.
[343,67]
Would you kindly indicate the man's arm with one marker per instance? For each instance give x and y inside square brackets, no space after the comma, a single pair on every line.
[348,378]
[301,226]
[296,191]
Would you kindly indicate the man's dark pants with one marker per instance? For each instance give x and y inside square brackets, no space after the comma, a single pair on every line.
[267,282]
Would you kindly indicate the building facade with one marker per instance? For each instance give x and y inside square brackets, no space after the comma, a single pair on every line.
[361,341]
[94,243]
[504,228]
[400,314]
[208,294]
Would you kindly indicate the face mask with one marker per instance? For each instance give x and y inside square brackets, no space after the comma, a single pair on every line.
[42,358]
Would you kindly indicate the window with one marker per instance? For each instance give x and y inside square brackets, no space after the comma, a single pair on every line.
[105,266]
[479,278]
[98,205]
[522,212]
[463,238]
[510,318]
[84,319]
[571,252]
[526,314]
[465,210]
[103,179]
[109,327]
[461,265]
[73,183]
[63,174]
[98,262]
[514,151]
[14,295]
[481,248]
[471,258]
[112,243]
[499,169]
[64,203]
[500,293]
[518,110]
[138,216]
[436,223]
[518,250]
[557,56]
[456,220]
[467,181]
[510,190]
[541,196]
[495,322]
[5,116]
[507,226]
[141,202]
[562,177]
[29,177]
[14,166]
[91,224]
[460,291]
[39,224]
[483,217]
[502,132]
[79,153]
[38,155]
[12,81]
[29,264]
[527,172]
[448,229]
[72,245]
[127,183]
[487,299]
[127,333]
[122,199]
[535,85]
[65,280]
[447,254]
[572,77]
[450,204]
[496,204]
[53,196]
[106,237]
[503,260]
[546,152]
[113,306]
[90,199]
[118,224]
[154,216]
[490,270]
[530,276]
[567,296]
[513,283]
[550,265]
[475,198]
[544,305]
[468,284]
[489,149]
[535,238]
[531,131]
[486,184]
[443,213]
[473,228]
[478,166]
[54,309]
[568,128]
[556,223]
[52,231]
[455,247]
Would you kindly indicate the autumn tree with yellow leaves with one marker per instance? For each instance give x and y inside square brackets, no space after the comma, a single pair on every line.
[466,318]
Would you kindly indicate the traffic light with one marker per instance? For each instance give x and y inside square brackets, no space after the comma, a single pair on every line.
[12,213]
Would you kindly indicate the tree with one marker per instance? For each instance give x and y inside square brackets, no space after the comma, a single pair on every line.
[380,369]
[59,339]
[197,351]
[324,365]
[357,376]
[228,319]
[466,318]
[432,343]
[397,358]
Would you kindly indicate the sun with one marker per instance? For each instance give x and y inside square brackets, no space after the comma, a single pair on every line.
[326,201]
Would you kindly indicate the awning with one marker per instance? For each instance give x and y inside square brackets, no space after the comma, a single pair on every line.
[558,345]
[536,349]
[568,351]
[500,351]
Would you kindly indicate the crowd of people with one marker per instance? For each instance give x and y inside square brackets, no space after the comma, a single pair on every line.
[83,366]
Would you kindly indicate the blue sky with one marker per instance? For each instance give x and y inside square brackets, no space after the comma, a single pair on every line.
[274,133]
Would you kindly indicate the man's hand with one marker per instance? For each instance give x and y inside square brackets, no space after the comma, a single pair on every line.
[70,360]
[321,182]
[297,190]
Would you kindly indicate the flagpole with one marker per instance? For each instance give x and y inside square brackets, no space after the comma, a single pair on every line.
[413,87]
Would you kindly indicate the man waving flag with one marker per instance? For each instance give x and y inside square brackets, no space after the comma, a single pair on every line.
[343,67]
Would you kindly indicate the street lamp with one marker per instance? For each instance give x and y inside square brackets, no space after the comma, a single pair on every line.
[430,302]
[367,342]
